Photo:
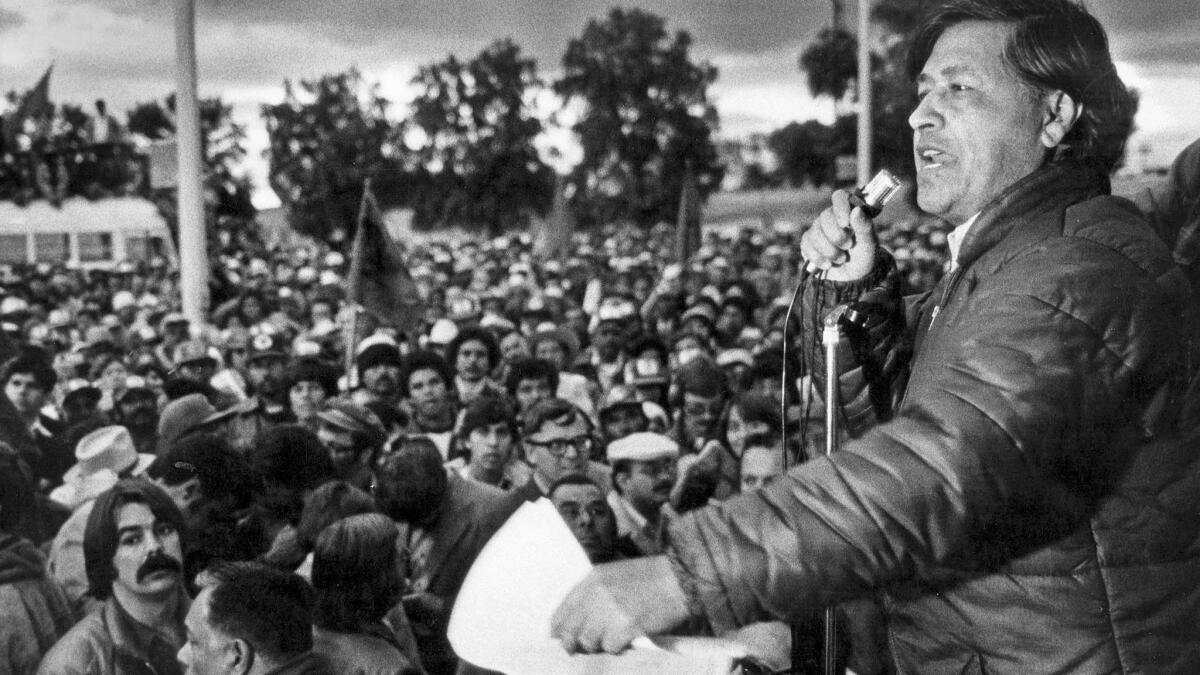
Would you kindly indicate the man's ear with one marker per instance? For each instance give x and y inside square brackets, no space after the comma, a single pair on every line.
[240,657]
[1060,113]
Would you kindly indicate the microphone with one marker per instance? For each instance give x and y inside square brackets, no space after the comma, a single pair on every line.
[871,198]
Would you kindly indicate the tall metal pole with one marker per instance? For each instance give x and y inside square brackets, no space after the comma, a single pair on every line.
[193,258]
[864,91]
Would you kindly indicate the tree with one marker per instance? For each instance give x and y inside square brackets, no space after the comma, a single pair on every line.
[807,152]
[831,66]
[223,141]
[323,145]
[477,165]
[646,116]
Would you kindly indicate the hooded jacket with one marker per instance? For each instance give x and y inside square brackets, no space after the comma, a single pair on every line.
[35,611]
[1020,484]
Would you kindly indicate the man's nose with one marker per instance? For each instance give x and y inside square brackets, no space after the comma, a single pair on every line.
[927,114]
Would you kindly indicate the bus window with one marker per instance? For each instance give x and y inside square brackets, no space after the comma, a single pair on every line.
[137,247]
[12,249]
[52,248]
[95,246]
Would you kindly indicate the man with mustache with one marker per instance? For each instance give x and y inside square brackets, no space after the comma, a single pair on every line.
[134,555]
[643,473]
[137,410]
[1020,476]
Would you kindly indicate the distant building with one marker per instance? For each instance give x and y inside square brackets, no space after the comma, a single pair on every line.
[741,154]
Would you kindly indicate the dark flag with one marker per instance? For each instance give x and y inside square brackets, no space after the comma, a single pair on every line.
[687,224]
[378,279]
[554,237]
[35,103]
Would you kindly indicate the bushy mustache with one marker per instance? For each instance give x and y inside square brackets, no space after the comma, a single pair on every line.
[158,561]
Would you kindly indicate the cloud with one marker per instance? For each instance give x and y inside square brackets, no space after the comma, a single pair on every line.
[10,19]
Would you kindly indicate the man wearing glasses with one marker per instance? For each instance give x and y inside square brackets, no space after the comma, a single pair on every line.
[558,442]
[643,466]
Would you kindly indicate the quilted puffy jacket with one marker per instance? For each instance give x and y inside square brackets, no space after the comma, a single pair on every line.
[1027,499]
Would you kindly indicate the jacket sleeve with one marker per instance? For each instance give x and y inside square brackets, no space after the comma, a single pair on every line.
[873,354]
[1010,429]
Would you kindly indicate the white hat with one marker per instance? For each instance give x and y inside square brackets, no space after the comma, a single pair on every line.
[123,299]
[87,488]
[110,448]
[443,331]
[12,305]
[642,446]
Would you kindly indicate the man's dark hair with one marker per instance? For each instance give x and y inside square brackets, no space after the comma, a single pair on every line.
[268,608]
[354,572]
[424,360]
[530,369]
[572,479]
[1055,45]
[762,440]
[31,361]
[410,481]
[556,409]
[291,456]
[477,334]
[100,534]
[328,504]
[311,369]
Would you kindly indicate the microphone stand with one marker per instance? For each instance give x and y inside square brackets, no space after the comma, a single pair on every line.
[831,335]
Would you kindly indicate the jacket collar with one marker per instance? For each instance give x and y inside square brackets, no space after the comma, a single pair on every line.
[1050,189]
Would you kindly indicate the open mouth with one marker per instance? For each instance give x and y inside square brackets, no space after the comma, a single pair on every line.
[931,158]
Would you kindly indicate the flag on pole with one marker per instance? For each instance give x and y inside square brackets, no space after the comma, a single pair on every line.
[378,279]
[35,103]
[554,237]
[687,224]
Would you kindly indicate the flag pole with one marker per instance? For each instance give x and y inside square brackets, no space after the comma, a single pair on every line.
[353,288]
[193,256]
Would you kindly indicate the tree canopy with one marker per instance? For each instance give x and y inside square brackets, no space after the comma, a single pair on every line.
[475,161]
[646,115]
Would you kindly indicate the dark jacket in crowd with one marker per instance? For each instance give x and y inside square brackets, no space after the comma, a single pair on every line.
[34,611]
[1031,505]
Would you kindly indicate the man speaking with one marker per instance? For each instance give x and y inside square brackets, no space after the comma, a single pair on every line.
[1028,500]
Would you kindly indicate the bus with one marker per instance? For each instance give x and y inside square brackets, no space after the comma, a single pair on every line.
[83,233]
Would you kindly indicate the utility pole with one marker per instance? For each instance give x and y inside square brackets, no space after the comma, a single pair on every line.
[864,91]
[193,256]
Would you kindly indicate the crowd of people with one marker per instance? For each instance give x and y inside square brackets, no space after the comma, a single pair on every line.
[294,486]
[623,389]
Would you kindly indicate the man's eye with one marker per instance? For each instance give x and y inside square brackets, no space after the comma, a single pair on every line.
[164,529]
[130,540]
[957,87]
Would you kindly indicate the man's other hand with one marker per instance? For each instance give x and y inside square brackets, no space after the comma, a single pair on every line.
[619,602]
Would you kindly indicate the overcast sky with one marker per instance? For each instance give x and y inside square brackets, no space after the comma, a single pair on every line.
[123,50]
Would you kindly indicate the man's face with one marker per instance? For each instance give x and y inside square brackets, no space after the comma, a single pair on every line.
[382,380]
[607,340]
[648,484]
[267,368]
[139,410]
[559,449]
[514,345]
[148,561]
[552,351]
[428,392]
[623,420]
[340,444]
[26,394]
[977,129]
[306,398]
[731,322]
[529,392]
[491,445]
[588,516]
[760,466]
[700,415]
[207,651]
[472,361]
